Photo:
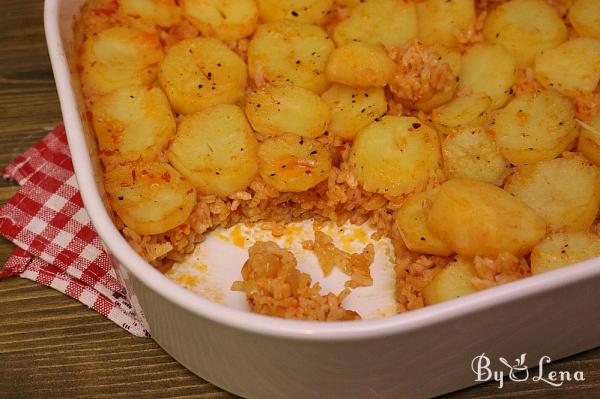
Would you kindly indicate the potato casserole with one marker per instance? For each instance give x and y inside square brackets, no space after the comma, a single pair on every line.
[465,131]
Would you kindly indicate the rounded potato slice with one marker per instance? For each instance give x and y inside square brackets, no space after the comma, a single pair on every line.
[132,123]
[291,163]
[440,21]
[589,139]
[571,68]
[565,191]
[411,219]
[118,57]
[525,28]
[387,22]
[201,72]
[276,110]
[359,65]
[289,52]
[150,197]
[462,111]
[224,19]
[454,281]
[476,218]
[353,109]
[563,249]
[471,153]
[148,15]
[395,155]
[491,70]
[584,15]
[535,127]
[216,149]
[304,11]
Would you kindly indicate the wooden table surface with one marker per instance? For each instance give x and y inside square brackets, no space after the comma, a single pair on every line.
[54,347]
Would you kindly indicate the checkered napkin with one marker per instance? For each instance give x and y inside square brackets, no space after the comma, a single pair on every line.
[57,244]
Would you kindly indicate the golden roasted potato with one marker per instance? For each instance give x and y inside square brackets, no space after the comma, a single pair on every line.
[291,163]
[395,155]
[148,15]
[589,139]
[360,65]
[201,72]
[565,191]
[304,11]
[150,197]
[216,149]
[454,281]
[349,3]
[289,52]
[118,57]
[491,70]
[441,21]
[352,109]
[132,123]
[471,153]
[387,22]
[525,28]
[562,249]
[276,110]
[571,68]
[476,218]
[454,61]
[535,127]
[224,19]
[464,111]
[584,15]
[411,219]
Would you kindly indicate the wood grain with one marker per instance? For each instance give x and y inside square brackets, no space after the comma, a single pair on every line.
[54,347]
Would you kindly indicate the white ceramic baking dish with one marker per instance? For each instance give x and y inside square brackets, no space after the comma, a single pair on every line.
[422,353]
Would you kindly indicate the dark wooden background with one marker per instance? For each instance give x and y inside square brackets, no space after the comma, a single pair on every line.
[54,347]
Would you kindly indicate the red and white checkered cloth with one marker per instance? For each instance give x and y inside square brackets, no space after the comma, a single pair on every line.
[57,244]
